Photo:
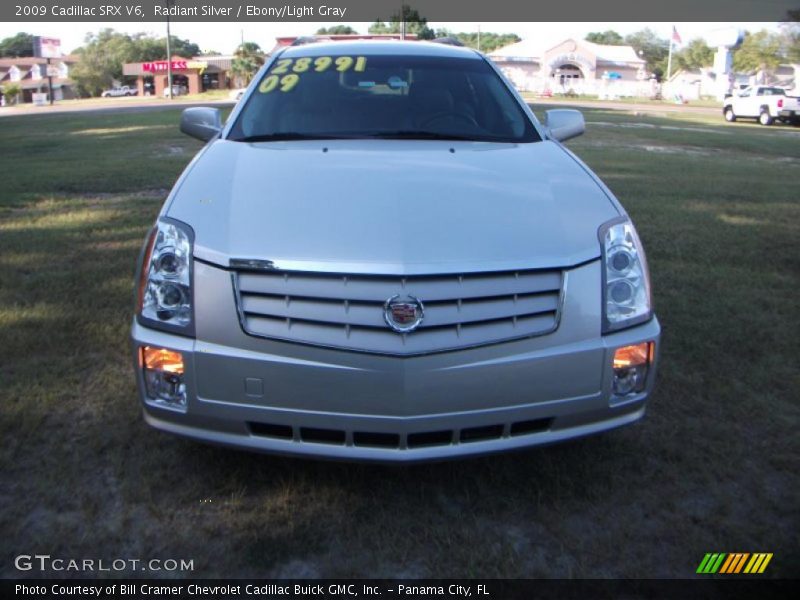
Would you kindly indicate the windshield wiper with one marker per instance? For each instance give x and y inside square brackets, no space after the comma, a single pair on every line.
[286,137]
[410,134]
[400,134]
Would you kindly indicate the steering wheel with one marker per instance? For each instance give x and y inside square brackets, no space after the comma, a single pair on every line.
[440,116]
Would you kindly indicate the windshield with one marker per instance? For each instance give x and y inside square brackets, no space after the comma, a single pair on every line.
[390,97]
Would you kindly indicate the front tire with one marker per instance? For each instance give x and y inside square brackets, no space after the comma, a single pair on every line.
[730,116]
[765,119]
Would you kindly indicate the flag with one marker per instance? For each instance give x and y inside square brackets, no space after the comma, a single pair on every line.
[675,36]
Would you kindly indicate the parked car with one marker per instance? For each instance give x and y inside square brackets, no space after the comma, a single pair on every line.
[383,255]
[177,90]
[119,91]
[762,102]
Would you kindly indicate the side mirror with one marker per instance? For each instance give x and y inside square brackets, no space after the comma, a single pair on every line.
[563,124]
[201,122]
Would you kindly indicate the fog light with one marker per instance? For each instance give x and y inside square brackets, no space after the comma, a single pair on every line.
[631,364]
[163,376]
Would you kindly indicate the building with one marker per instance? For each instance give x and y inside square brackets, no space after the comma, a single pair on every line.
[574,66]
[691,84]
[31,74]
[192,75]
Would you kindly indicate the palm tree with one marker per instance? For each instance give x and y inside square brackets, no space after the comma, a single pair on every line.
[248,58]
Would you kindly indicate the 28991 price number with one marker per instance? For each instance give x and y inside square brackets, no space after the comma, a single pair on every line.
[285,75]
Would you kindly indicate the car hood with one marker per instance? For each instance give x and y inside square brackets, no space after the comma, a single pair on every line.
[392,206]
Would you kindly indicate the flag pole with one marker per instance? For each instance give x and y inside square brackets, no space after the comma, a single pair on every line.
[669,59]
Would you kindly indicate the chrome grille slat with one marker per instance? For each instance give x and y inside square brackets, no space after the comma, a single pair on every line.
[430,288]
[346,311]
[371,314]
[366,315]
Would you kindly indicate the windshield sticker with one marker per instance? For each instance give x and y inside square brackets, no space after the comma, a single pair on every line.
[396,82]
[286,83]
[286,72]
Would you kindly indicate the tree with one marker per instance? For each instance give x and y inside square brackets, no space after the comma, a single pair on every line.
[695,55]
[248,58]
[101,59]
[17,45]
[760,51]
[337,30]
[488,41]
[605,38]
[790,37]
[414,24]
[653,49]
[181,47]
[103,54]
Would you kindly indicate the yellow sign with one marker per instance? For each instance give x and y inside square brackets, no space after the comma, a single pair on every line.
[197,64]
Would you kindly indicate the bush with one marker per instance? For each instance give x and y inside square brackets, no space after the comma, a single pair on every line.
[11,91]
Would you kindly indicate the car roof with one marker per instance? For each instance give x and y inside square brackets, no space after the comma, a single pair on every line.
[380,47]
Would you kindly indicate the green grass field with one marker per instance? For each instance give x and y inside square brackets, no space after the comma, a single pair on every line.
[713,468]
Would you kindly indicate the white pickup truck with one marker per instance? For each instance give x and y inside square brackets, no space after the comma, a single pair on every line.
[762,102]
[119,91]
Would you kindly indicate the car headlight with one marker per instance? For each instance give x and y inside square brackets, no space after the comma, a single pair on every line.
[626,280]
[164,299]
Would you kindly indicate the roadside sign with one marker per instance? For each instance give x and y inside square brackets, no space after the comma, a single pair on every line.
[46,47]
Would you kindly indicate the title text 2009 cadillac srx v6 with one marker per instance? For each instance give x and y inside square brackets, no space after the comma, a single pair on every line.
[383,255]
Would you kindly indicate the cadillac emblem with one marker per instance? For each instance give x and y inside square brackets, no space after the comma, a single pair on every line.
[403,314]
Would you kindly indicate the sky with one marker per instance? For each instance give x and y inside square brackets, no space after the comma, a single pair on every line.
[224,37]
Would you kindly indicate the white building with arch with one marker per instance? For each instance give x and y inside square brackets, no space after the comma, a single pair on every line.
[574,66]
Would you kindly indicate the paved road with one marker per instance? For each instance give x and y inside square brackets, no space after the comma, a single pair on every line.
[124,105]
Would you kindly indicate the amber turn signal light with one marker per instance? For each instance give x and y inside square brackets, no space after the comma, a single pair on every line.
[631,364]
[161,359]
[633,356]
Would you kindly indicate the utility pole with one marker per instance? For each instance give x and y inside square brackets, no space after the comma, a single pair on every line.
[402,21]
[49,82]
[169,4]
[479,38]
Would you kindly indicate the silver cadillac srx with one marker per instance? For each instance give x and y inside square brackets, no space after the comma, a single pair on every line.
[383,255]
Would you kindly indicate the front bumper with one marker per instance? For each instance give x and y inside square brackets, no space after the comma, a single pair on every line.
[286,398]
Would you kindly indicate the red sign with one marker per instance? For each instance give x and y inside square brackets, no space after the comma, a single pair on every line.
[162,65]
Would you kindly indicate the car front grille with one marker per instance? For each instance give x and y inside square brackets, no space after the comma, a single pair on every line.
[347,311]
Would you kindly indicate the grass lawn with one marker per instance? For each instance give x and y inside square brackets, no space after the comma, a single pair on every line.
[713,468]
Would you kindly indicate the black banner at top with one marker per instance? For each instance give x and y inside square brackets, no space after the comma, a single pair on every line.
[351,11]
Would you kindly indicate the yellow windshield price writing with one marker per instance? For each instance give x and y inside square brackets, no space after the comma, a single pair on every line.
[292,68]
[286,83]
